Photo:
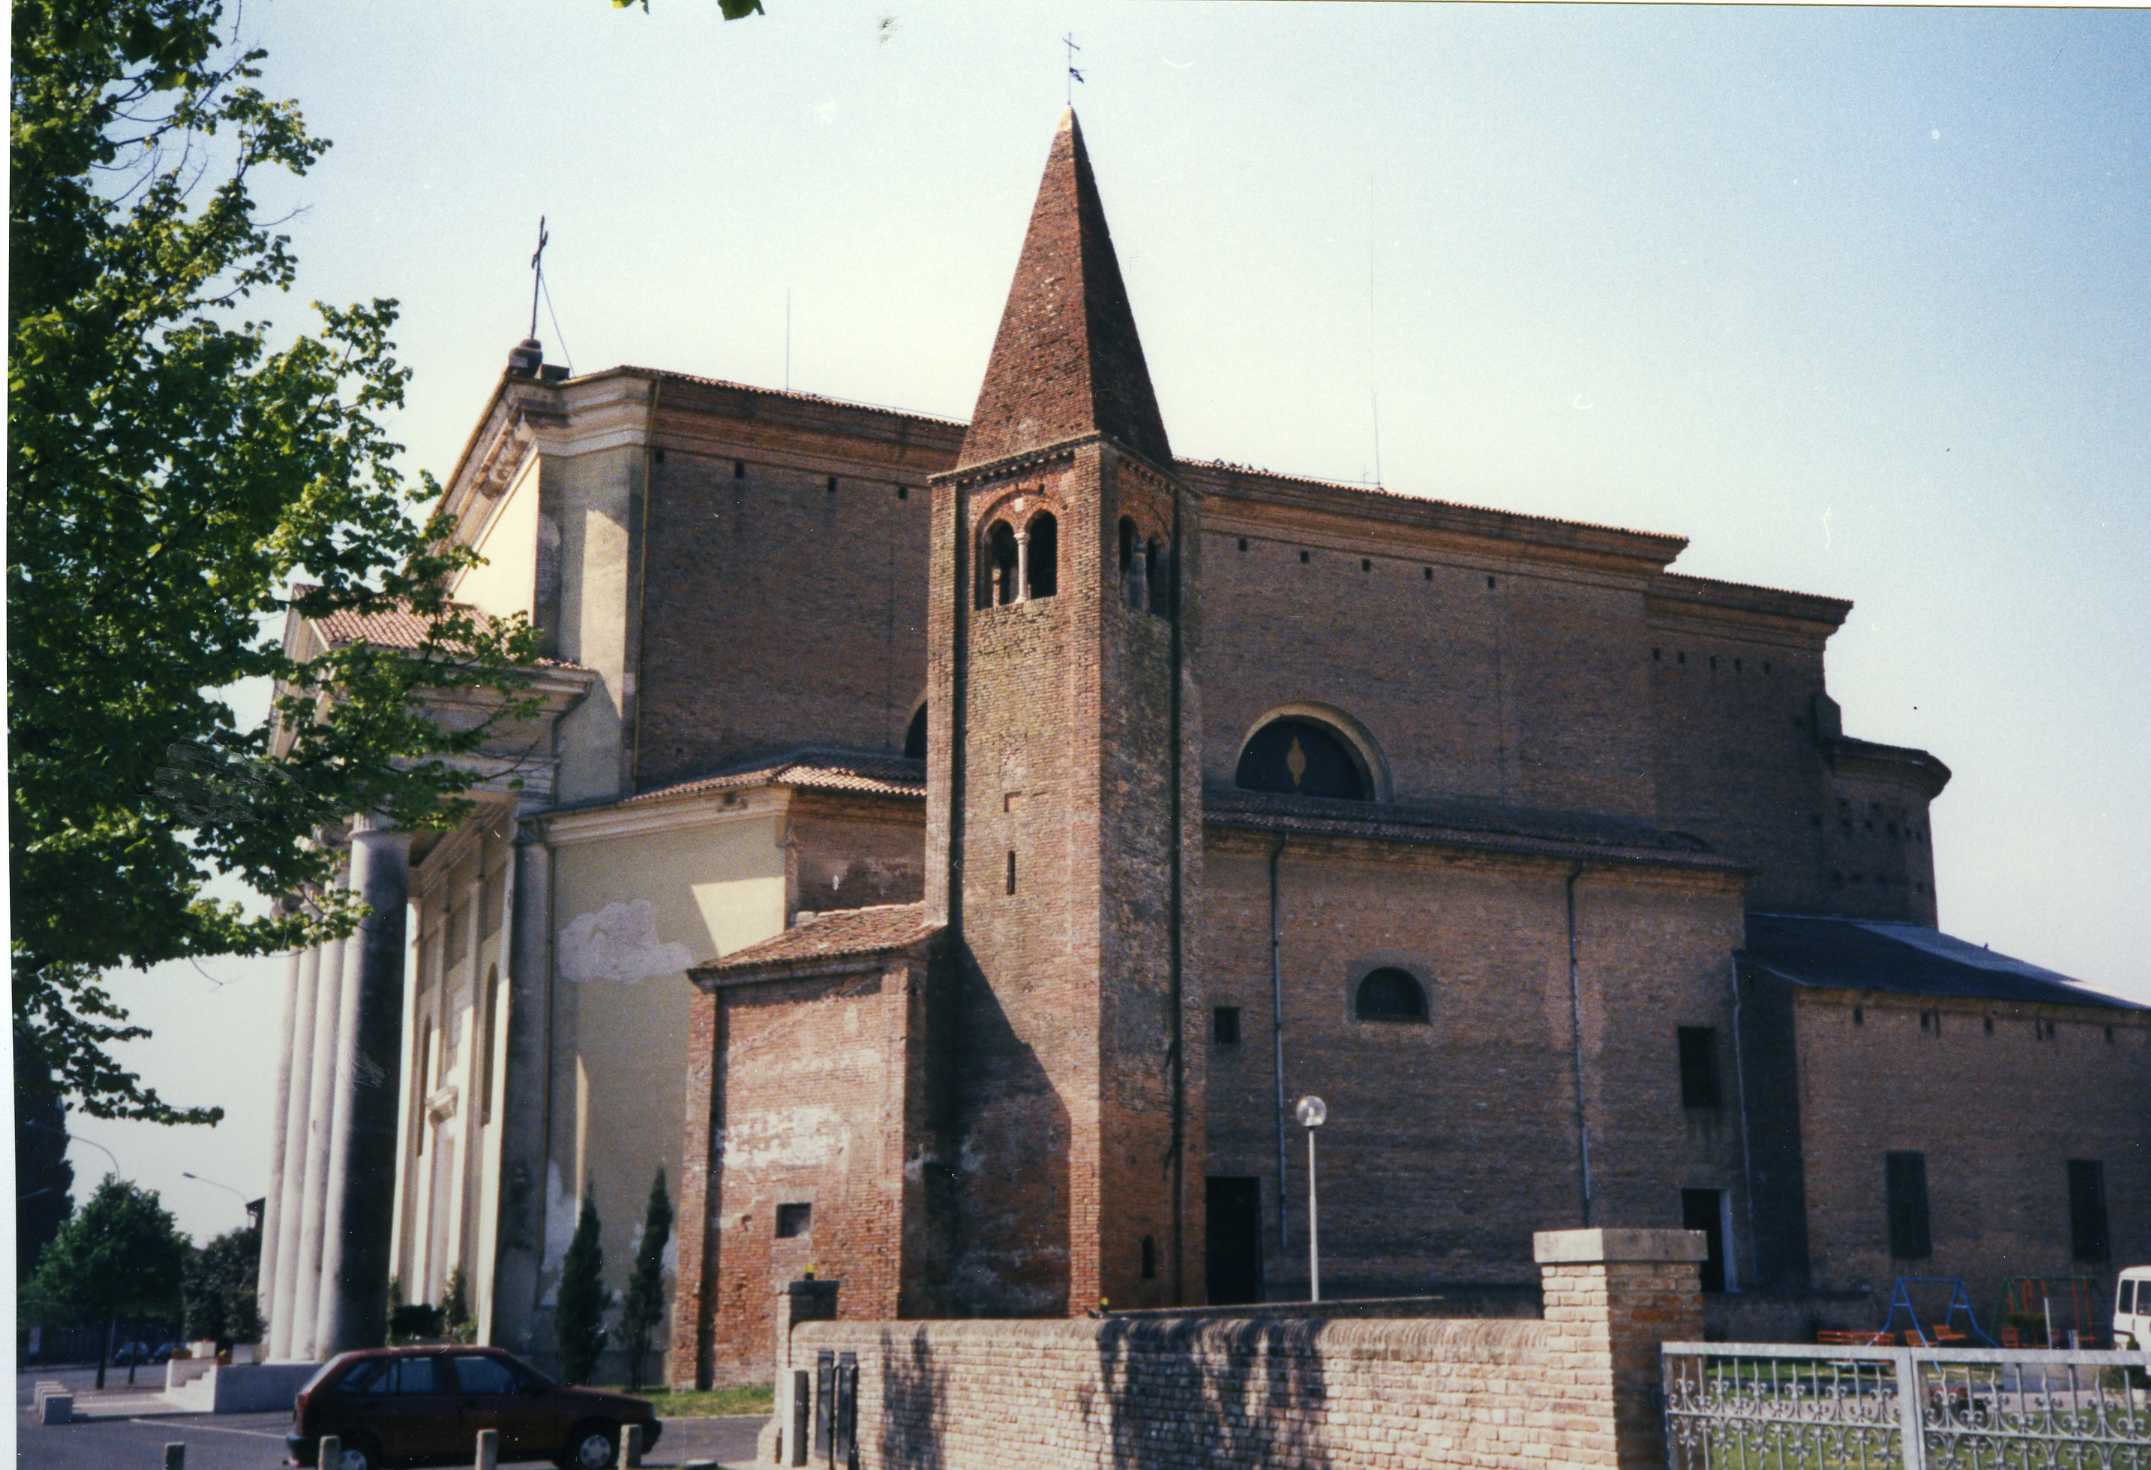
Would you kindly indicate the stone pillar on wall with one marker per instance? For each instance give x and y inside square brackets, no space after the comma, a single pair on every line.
[272,1217]
[369,1069]
[797,1301]
[1612,1297]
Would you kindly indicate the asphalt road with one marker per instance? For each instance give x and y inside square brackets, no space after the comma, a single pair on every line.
[130,1432]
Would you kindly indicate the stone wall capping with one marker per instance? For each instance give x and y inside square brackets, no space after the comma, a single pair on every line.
[1605,1246]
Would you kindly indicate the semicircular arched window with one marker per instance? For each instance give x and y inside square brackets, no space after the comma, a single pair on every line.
[1302,757]
[915,736]
[1389,994]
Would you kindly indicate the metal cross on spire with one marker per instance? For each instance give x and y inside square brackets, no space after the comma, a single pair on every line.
[1074,76]
[537,275]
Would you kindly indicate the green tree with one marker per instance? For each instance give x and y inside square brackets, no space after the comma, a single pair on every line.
[579,1316]
[644,1305]
[456,1323]
[220,1288]
[170,472]
[119,1257]
[43,1177]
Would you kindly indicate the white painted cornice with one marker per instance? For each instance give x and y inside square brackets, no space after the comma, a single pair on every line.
[682,813]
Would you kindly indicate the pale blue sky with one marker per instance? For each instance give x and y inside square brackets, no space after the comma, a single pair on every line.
[1858,300]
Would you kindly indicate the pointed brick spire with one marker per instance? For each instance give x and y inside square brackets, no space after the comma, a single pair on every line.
[1067,360]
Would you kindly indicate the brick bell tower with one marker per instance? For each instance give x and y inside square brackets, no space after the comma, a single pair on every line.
[1064,805]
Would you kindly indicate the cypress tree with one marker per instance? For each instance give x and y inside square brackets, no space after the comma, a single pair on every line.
[579,1319]
[644,1306]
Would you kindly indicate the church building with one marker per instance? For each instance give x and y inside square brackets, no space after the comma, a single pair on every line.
[949,850]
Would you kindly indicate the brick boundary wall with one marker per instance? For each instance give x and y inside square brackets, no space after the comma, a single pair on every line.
[1578,1387]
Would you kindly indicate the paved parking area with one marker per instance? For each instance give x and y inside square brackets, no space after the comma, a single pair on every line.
[125,1431]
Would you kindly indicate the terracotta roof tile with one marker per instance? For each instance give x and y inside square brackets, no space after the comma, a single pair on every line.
[395,627]
[1479,826]
[833,936]
[812,768]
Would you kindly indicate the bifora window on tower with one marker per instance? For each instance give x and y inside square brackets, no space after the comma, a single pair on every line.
[1019,564]
[1145,570]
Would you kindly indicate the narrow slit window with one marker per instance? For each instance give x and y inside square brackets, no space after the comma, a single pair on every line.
[1904,1177]
[1011,870]
[1699,1067]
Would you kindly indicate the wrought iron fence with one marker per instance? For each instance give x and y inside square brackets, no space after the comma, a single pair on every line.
[1747,1406]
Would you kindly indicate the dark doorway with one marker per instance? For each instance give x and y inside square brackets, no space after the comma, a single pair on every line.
[1704,1210]
[1234,1229]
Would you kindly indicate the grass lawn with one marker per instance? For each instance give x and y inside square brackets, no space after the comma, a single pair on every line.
[707,1403]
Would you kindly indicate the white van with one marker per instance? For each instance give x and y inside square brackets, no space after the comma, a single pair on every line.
[2132,1309]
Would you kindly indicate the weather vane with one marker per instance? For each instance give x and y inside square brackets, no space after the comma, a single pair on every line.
[1074,76]
[537,275]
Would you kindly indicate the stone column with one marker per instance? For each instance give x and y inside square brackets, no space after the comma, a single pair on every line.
[1023,567]
[320,1114]
[369,1069]
[526,1056]
[293,1194]
[272,1216]
[1612,1298]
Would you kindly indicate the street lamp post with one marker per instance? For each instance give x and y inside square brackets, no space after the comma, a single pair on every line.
[244,1203]
[1312,1112]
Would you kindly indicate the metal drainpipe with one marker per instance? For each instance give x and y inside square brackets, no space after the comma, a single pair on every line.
[1277,1036]
[1747,1145]
[1575,1018]
[642,580]
[1177,615]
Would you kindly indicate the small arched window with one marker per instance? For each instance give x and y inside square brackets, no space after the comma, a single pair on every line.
[1042,556]
[1303,757]
[915,736]
[1131,568]
[1389,994]
[997,569]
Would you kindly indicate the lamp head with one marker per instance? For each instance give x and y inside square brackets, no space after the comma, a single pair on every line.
[1312,1111]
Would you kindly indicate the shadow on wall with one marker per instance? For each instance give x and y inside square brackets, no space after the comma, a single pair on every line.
[912,1390]
[1251,1393]
[1007,1169]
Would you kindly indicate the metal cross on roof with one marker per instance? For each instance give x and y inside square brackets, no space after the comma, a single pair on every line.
[537,274]
[1074,76]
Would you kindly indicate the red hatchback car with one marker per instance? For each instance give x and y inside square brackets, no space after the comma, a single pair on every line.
[425,1405]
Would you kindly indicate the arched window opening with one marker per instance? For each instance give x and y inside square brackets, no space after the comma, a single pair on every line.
[915,736]
[1302,757]
[1390,994]
[1155,574]
[997,571]
[1042,556]
[1131,566]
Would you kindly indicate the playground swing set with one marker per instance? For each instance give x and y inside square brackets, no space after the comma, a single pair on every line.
[2035,1311]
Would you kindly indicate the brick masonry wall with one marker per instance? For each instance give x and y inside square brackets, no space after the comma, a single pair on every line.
[803,1088]
[1737,759]
[778,612]
[1523,686]
[1572,1390]
[1448,1142]
[1997,1113]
